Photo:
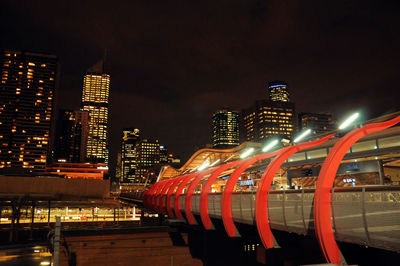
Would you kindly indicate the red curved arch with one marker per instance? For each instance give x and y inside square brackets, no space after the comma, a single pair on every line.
[261,202]
[189,194]
[148,195]
[161,207]
[226,204]
[153,199]
[326,178]
[205,218]
[170,192]
[178,193]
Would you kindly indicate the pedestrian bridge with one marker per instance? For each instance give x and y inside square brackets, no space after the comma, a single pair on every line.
[361,214]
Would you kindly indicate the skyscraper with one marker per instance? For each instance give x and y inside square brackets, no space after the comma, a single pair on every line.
[318,123]
[27,89]
[71,136]
[95,94]
[225,129]
[147,156]
[278,91]
[270,118]
[130,137]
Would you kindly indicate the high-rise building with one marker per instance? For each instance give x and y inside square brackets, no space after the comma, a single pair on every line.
[268,119]
[318,123]
[96,85]
[147,156]
[71,136]
[27,91]
[278,91]
[163,154]
[225,129]
[130,137]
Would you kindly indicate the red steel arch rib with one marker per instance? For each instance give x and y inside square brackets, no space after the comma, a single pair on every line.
[189,194]
[323,197]
[178,193]
[261,203]
[205,218]
[170,192]
[153,199]
[163,192]
[226,203]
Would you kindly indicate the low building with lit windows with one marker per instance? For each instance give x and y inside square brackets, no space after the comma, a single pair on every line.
[78,170]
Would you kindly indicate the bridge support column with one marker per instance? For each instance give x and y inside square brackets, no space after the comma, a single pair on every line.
[48,213]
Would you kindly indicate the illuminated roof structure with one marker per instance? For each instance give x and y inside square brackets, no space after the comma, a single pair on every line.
[204,155]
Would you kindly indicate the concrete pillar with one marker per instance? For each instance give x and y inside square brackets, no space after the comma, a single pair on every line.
[32,219]
[57,236]
[48,213]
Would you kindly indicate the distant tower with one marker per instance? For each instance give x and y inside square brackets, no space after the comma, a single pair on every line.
[225,129]
[278,91]
[27,89]
[130,137]
[95,94]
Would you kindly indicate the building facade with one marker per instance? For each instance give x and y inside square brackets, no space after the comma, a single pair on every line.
[95,95]
[318,123]
[147,158]
[128,165]
[278,91]
[225,129]
[71,136]
[27,89]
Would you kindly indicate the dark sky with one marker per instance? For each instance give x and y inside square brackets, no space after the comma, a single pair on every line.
[173,63]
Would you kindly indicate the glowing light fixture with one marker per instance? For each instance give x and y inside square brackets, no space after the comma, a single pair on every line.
[214,163]
[203,166]
[247,153]
[302,135]
[230,157]
[349,120]
[270,145]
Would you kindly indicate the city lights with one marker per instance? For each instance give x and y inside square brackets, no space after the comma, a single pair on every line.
[203,166]
[349,120]
[246,153]
[270,145]
[302,135]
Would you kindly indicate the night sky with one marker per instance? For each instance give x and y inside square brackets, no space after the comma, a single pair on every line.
[173,63]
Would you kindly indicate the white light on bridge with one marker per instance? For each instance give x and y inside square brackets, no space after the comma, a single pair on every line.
[270,145]
[349,120]
[302,135]
[246,153]
[203,166]
[214,163]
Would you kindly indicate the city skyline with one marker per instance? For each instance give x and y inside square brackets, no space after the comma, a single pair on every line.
[335,60]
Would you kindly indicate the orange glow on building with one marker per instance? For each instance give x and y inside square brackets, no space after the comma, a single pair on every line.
[78,170]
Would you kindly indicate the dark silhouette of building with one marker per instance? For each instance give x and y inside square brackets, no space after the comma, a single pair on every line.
[128,166]
[27,91]
[318,123]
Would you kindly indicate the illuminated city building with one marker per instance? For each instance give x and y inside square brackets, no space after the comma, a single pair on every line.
[28,86]
[147,157]
[71,136]
[163,154]
[96,85]
[128,165]
[225,129]
[318,123]
[278,91]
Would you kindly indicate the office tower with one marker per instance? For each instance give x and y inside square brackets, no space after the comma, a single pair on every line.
[96,85]
[318,123]
[225,129]
[71,136]
[278,91]
[163,154]
[268,119]
[27,89]
[130,137]
[147,156]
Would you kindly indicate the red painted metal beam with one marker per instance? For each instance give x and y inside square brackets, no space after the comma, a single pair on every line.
[178,193]
[261,203]
[226,204]
[161,207]
[153,198]
[189,194]
[326,178]
[170,192]
[205,217]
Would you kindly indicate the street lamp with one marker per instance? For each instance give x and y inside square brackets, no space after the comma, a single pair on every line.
[349,120]
[302,135]
[246,153]
[270,145]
